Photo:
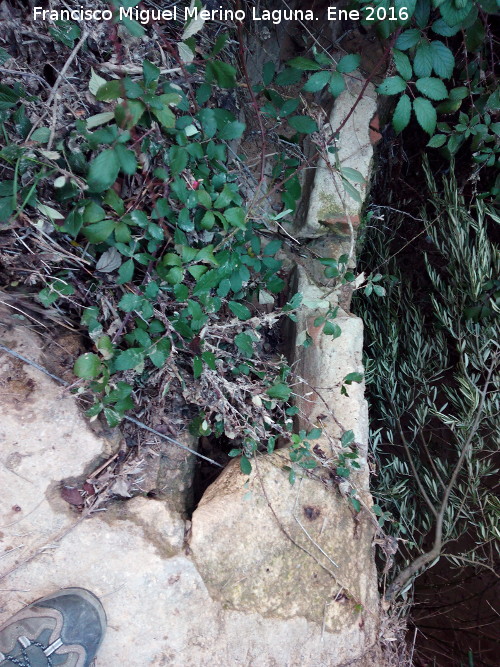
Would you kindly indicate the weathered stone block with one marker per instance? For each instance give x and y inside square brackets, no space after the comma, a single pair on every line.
[330,208]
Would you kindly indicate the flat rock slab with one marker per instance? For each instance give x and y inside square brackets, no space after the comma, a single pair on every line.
[43,440]
[159,609]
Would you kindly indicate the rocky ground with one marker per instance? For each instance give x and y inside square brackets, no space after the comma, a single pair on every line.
[266,573]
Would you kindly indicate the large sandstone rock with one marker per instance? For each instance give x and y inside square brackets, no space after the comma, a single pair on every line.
[289,552]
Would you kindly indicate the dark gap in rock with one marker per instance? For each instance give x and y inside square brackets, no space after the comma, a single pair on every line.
[49,74]
[206,473]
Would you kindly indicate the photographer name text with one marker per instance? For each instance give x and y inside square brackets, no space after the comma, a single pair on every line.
[276,16]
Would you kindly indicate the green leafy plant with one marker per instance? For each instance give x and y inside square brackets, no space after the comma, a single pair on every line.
[179,266]
[442,65]
[432,377]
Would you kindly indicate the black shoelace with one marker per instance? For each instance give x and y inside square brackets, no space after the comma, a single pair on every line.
[25,657]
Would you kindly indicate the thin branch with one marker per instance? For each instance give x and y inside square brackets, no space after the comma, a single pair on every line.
[257,111]
[17,72]
[414,470]
[133,69]
[473,563]
[406,574]
[431,460]
[65,68]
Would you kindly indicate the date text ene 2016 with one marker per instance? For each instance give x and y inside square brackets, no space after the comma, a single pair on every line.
[369,14]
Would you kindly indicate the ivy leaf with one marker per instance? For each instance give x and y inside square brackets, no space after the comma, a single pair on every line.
[432,88]
[392,86]
[348,63]
[129,359]
[103,171]
[403,64]
[87,366]
[232,130]
[353,377]
[241,311]
[245,465]
[244,344]
[422,62]
[443,60]
[279,391]
[337,84]
[407,39]
[100,231]
[303,64]
[317,81]
[402,114]
[437,141]
[126,158]
[303,124]
[426,114]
